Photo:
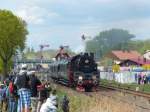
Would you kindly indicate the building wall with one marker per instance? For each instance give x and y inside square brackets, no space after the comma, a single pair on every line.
[147,55]
[128,63]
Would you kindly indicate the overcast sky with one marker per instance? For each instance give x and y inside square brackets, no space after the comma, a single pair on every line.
[62,22]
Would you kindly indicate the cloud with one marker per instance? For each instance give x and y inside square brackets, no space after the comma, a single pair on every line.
[34,14]
[139,26]
[64,21]
[53,15]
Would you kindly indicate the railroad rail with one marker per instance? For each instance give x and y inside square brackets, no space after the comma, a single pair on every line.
[129,91]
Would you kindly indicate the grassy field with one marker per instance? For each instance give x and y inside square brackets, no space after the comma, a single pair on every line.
[144,87]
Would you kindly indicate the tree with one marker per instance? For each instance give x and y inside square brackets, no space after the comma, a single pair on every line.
[13,33]
[108,40]
[140,45]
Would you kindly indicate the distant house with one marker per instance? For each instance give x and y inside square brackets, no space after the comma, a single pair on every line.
[120,56]
[135,62]
[147,55]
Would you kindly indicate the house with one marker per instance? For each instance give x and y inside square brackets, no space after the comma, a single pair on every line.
[120,56]
[135,62]
[147,55]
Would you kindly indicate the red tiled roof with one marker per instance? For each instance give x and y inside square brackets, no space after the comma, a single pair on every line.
[141,61]
[123,55]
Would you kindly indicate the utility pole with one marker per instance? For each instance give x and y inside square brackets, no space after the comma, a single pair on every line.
[41,50]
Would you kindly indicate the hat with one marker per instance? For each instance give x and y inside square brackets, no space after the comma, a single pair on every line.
[31,72]
[22,72]
[24,66]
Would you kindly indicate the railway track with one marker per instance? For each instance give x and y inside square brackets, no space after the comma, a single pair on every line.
[120,89]
[128,91]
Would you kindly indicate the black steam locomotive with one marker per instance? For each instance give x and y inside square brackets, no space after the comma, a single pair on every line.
[80,71]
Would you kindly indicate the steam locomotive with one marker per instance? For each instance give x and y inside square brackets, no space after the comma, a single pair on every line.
[79,71]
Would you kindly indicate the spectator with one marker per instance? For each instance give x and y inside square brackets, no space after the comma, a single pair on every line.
[22,82]
[12,96]
[139,78]
[145,79]
[44,90]
[148,78]
[65,104]
[54,97]
[48,88]
[5,98]
[42,95]
[48,106]
[136,77]
[2,96]
[34,83]
[142,77]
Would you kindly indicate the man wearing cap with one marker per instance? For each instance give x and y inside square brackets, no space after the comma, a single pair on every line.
[23,85]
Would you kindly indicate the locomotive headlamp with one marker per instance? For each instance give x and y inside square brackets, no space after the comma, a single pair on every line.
[80,77]
[94,77]
[95,82]
[86,61]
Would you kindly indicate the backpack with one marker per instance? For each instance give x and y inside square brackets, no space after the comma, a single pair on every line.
[11,87]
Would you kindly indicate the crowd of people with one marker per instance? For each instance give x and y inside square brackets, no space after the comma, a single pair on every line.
[143,78]
[24,92]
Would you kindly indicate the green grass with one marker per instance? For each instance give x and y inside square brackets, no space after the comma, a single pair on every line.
[142,88]
[81,103]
